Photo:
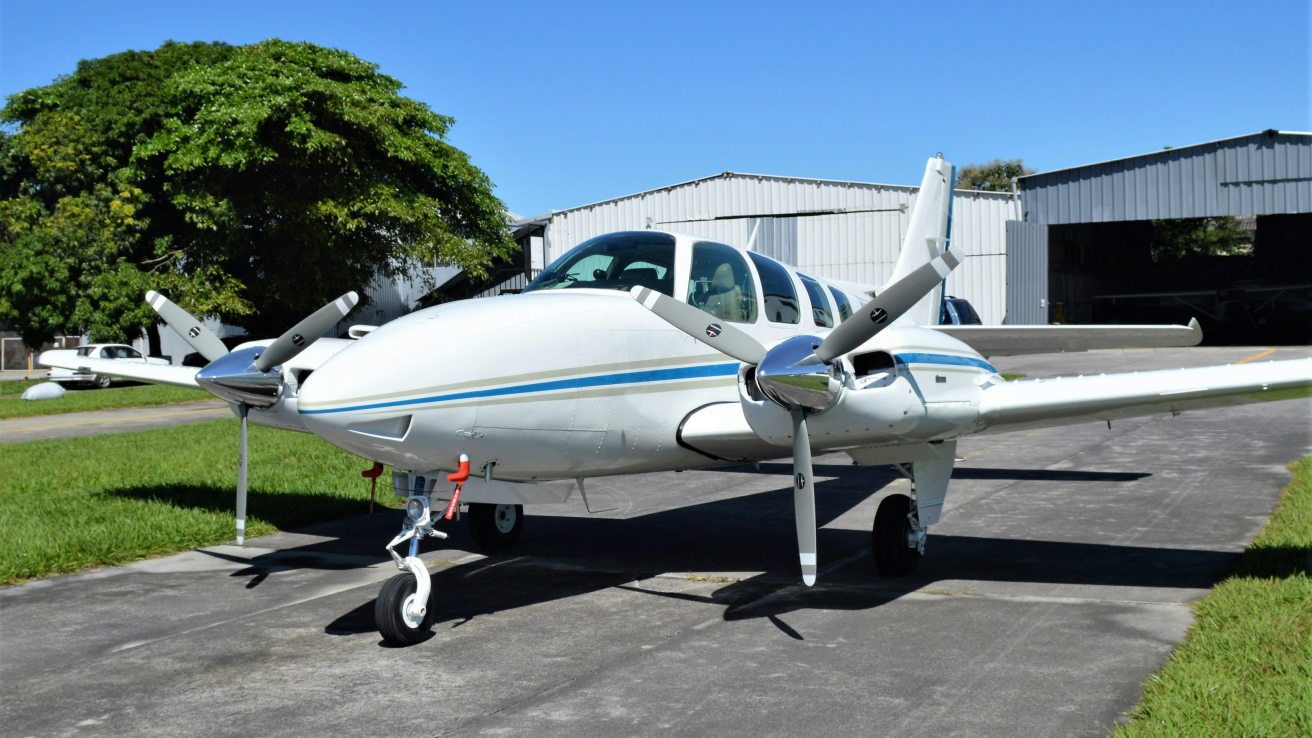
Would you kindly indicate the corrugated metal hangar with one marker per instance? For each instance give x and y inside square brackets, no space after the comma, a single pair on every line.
[1077,245]
[1088,249]
[841,230]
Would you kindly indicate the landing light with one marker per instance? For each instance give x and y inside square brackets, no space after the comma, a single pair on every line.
[414,508]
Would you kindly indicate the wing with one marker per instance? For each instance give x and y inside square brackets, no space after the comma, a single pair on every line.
[1043,403]
[178,376]
[1012,340]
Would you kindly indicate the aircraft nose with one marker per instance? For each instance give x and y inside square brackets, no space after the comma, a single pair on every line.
[374,397]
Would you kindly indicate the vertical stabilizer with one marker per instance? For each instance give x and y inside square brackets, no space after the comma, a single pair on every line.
[927,236]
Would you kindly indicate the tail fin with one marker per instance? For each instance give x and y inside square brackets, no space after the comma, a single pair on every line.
[927,236]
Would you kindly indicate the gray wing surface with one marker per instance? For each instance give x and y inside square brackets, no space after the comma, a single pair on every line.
[178,376]
[1044,403]
[1014,340]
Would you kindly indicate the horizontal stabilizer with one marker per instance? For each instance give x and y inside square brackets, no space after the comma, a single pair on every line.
[1014,340]
[178,376]
[1045,403]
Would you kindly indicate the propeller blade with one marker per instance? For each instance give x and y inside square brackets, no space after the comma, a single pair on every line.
[192,331]
[241,478]
[803,497]
[306,332]
[714,332]
[887,307]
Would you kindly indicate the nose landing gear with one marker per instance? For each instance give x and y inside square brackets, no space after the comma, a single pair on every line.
[405,610]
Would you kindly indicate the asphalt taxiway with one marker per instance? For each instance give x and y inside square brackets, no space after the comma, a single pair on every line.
[1058,580]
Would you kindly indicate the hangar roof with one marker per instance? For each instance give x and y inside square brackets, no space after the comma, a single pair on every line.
[1263,173]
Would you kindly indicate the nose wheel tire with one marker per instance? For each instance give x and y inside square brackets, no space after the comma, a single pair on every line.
[396,624]
[101,381]
[889,536]
[495,527]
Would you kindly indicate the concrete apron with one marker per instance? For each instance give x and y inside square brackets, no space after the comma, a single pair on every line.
[1058,580]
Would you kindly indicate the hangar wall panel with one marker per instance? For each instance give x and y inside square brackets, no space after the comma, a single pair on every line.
[1267,173]
[1026,274]
[854,246]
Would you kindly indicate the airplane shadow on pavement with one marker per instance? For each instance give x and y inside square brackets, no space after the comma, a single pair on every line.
[561,557]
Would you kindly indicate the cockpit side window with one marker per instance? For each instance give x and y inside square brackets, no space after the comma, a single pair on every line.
[780,297]
[844,305]
[719,283]
[820,312]
[617,261]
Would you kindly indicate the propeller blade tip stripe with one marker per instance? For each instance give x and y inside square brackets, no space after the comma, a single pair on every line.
[808,559]
[808,579]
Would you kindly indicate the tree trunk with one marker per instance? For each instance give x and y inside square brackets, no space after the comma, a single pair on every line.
[152,337]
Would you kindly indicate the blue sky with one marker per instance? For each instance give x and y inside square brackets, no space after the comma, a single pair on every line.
[569,103]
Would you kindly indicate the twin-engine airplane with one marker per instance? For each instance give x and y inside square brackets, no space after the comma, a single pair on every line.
[648,351]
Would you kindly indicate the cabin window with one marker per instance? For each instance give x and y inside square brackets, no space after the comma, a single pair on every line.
[864,365]
[844,305]
[617,261]
[780,295]
[820,312]
[720,284]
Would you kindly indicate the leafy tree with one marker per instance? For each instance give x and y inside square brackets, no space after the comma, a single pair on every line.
[252,183]
[1182,238]
[993,177]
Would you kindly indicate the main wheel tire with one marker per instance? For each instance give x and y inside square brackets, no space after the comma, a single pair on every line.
[495,527]
[392,625]
[888,538]
[101,381]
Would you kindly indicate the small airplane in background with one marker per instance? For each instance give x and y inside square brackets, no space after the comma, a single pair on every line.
[649,351]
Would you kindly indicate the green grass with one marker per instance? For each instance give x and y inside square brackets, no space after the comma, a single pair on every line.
[70,504]
[1245,666]
[16,386]
[1012,377]
[76,401]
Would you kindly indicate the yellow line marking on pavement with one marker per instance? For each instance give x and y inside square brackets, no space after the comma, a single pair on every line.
[111,420]
[1255,357]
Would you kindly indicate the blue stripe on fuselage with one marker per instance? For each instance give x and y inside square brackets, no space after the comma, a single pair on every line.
[654,375]
[944,359]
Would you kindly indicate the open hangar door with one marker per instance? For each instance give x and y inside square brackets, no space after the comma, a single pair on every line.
[1248,280]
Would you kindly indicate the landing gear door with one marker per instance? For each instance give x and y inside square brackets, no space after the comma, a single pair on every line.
[932,479]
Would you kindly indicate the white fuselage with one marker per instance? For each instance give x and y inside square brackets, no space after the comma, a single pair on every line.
[563,384]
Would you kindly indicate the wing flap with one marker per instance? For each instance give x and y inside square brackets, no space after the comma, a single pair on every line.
[1043,403]
[1014,340]
[178,376]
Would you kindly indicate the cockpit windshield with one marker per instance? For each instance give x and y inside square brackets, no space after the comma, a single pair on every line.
[617,261]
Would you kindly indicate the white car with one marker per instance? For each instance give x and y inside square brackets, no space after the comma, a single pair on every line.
[116,351]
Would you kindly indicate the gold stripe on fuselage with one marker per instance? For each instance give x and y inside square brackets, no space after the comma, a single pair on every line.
[578,394]
[578,371]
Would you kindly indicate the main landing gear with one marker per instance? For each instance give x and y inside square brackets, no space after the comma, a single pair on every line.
[897,539]
[495,527]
